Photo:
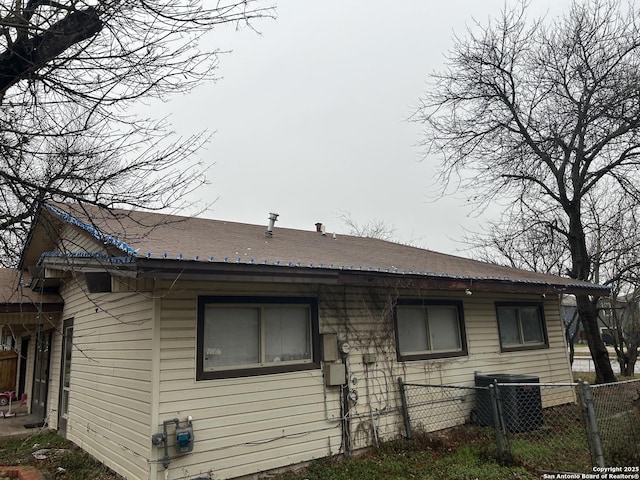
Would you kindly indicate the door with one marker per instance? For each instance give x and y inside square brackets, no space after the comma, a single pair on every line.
[41,375]
[65,376]
[8,369]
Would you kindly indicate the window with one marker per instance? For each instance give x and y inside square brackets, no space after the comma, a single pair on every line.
[98,282]
[521,326]
[242,336]
[429,329]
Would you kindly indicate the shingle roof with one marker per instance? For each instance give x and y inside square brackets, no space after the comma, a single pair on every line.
[145,235]
[14,290]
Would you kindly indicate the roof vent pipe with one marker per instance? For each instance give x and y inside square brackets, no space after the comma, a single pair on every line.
[273,217]
[320,228]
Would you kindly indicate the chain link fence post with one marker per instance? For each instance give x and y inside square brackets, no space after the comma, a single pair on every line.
[590,423]
[405,408]
[502,442]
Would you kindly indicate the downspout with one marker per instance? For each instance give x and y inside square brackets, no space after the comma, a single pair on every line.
[154,419]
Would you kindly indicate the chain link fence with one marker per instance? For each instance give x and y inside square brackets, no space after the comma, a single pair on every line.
[430,408]
[556,427]
[544,425]
[617,414]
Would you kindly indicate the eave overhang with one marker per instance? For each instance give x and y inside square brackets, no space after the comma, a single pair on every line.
[136,267]
[470,285]
[26,307]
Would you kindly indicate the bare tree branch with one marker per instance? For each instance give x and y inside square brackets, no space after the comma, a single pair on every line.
[547,112]
[70,71]
[373,229]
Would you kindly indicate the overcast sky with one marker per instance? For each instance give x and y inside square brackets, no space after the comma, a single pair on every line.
[310,116]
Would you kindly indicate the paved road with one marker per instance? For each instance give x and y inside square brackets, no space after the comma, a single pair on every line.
[582,364]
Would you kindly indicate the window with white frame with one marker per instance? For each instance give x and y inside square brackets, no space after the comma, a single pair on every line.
[241,336]
[521,326]
[429,329]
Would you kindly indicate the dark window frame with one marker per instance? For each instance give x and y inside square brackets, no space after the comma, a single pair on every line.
[464,351]
[203,300]
[523,346]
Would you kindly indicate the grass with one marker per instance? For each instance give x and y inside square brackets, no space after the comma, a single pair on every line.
[462,454]
[63,460]
[591,377]
[560,444]
[465,453]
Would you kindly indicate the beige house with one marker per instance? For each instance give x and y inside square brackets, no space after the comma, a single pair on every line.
[192,348]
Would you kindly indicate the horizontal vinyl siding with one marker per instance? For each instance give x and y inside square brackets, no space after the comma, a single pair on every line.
[110,400]
[251,424]
[363,318]
[241,425]
[77,240]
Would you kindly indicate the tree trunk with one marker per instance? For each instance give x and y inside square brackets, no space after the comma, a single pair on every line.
[587,309]
[587,306]
[623,361]
[632,357]
[572,352]
[571,337]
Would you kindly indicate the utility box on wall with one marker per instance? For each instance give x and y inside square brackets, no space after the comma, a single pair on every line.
[330,347]
[334,373]
[369,358]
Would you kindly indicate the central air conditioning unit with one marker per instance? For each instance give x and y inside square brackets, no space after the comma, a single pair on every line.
[521,404]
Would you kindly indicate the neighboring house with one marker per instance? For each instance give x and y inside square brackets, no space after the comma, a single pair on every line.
[619,320]
[280,345]
[26,317]
[569,314]
[624,316]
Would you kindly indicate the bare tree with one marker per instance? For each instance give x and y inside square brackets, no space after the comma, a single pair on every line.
[522,239]
[623,327]
[546,112]
[372,229]
[70,71]
[527,239]
[620,265]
